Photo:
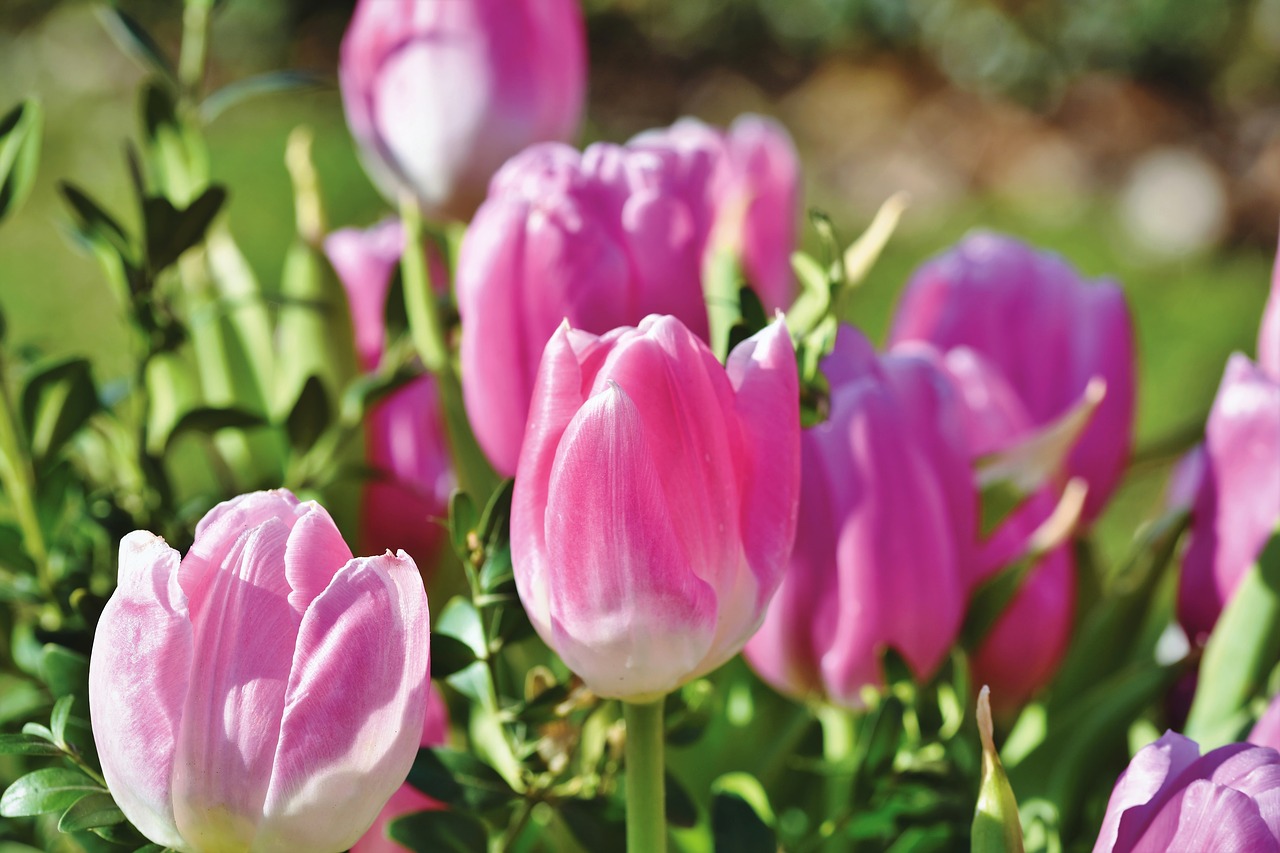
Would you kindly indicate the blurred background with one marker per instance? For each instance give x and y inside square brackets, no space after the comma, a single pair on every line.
[1139,138]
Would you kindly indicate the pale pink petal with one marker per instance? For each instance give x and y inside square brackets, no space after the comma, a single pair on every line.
[138,674]
[1205,816]
[1151,770]
[314,553]
[354,709]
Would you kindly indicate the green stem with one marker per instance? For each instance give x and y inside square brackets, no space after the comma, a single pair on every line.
[195,46]
[18,479]
[475,476]
[646,794]
[839,738]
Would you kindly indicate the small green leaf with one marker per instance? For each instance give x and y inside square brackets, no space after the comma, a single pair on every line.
[449,655]
[996,825]
[19,154]
[50,790]
[170,231]
[496,518]
[459,779]
[463,520]
[207,420]
[25,744]
[64,671]
[95,225]
[461,620]
[274,82]
[135,41]
[57,400]
[439,832]
[91,812]
[58,719]
[497,575]
[309,416]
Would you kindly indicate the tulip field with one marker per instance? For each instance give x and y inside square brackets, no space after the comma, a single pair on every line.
[594,490]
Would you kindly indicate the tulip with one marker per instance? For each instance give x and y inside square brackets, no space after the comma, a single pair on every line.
[439,93]
[1237,505]
[405,440]
[408,799]
[655,501]
[1046,329]
[1022,651]
[887,530]
[605,237]
[1173,798]
[264,693]
[1267,730]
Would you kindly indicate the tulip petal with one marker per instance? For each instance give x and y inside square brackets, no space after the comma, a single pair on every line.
[1208,817]
[628,614]
[1151,770]
[231,720]
[314,553]
[354,709]
[138,675]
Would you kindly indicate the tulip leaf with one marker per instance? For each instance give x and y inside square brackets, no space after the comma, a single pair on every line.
[19,154]
[1240,654]
[43,791]
[208,419]
[459,779]
[439,832]
[91,812]
[449,655]
[57,400]
[309,416]
[25,744]
[271,83]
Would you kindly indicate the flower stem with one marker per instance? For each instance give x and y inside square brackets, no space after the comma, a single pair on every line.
[646,794]
[839,738]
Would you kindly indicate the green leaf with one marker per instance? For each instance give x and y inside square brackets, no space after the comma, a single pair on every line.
[996,825]
[439,832]
[58,399]
[207,420]
[50,790]
[63,670]
[596,824]
[25,744]
[497,575]
[463,520]
[91,812]
[135,41]
[680,808]
[274,82]
[170,231]
[309,416]
[449,655]
[19,698]
[1240,654]
[461,620]
[95,225]
[737,828]
[459,779]
[19,154]
[58,719]
[362,393]
[496,518]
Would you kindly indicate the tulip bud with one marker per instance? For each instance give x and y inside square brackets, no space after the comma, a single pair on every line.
[886,535]
[438,93]
[267,691]
[1237,505]
[1023,649]
[1172,798]
[605,237]
[405,441]
[655,502]
[408,799]
[1046,329]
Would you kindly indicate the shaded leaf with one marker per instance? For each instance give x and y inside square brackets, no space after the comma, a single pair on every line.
[133,39]
[90,812]
[274,82]
[309,416]
[20,132]
[208,420]
[170,231]
[459,779]
[449,655]
[434,831]
[25,744]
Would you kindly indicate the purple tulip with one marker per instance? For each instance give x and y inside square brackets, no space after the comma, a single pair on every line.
[655,502]
[604,238]
[408,799]
[887,530]
[439,93]
[1045,328]
[226,708]
[1026,644]
[405,441]
[1171,798]
[1237,506]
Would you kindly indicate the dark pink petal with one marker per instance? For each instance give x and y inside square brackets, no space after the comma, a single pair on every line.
[138,677]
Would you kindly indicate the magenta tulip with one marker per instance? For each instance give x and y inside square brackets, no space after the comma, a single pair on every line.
[405,441]
[655,502]
[1237,505]
[887,530]
[408,799]
[1171,798]
[1025,645]
[1045,328]
[266,692]
[438,93]
[605,237]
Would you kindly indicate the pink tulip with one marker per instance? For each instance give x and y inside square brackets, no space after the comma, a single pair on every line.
[1026,644]
[1267,730]
[887,530]
[438,93]
[605,237]
[655,502]
[405,441]
[408,799]
[1237,506]
[266,692]
[1045,328]
[1172,799]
